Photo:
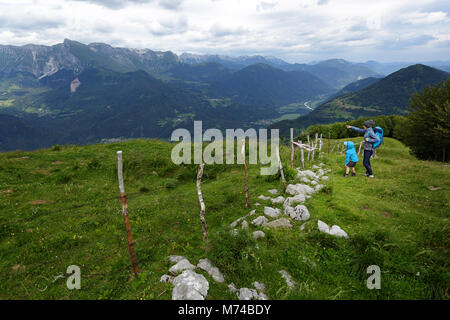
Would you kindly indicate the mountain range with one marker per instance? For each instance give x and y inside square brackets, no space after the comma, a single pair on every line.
[389,95]
[77,93]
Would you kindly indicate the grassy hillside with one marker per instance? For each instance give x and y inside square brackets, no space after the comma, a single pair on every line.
[60,207]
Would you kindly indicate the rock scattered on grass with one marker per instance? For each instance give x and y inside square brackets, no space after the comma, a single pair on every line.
[299,213]
[334,230]
[279,199]
[262,197]
[244,224]
[272,212]
[279,223]
[214,272]
[181,265]
[260,221]
[190,286]
[176,259]
[258,234]
[166,278]
[295,189]
[273,191]
[305,180]
[232,288]
[291,283]
[259,286]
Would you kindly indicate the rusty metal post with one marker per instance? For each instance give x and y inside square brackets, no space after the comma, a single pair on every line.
[123,200]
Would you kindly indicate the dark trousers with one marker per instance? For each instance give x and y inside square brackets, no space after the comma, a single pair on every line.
[366,162]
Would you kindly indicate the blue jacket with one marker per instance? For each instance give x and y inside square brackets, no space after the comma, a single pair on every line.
[350,154]
[368,133]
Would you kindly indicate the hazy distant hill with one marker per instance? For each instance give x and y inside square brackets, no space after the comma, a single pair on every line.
[265,85]
[389,95]
[355,86]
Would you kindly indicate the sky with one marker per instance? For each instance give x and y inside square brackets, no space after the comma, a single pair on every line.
[293,30]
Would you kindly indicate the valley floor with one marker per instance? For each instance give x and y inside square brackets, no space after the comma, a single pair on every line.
[60,207]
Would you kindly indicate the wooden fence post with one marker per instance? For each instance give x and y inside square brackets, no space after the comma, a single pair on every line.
[302,155]
[308,148]
[292,148]
[123,200]
[359,149]
[334,146]
[329,137]
[247,197]
[281,165]
[320,145]
[202,203]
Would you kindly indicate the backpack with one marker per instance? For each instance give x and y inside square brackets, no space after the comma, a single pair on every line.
[379,132]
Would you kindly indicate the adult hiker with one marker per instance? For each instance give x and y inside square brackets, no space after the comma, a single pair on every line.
[369,139]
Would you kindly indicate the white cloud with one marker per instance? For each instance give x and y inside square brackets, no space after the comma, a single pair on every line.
[298,31]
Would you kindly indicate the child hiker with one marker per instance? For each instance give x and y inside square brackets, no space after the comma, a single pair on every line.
[351,158]
[369,139]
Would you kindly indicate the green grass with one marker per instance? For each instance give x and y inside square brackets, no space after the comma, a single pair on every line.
[394,221]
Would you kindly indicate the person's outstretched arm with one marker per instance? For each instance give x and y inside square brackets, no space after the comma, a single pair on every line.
[356,129]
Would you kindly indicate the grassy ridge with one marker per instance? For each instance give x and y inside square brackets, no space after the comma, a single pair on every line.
[60,207]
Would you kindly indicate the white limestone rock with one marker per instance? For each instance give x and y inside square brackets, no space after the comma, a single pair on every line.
[258,234]
[181,265]
[279,223]
[214,272]
[277,200]
[271,212]
[291,283]
[190,286]
[295,189]
[166,278]
[259,286]
[273,191]
[247,294]
[260,221]
[334,230]
[176,259]
[299,213]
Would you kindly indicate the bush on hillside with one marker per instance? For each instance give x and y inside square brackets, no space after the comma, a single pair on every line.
[427,127]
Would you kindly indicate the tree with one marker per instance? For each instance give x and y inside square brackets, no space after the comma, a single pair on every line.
[427,128]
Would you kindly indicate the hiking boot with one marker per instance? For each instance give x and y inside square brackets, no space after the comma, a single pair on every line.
[345,175]
[371,176]
[353,174]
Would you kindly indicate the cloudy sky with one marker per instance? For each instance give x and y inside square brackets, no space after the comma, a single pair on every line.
[294,30]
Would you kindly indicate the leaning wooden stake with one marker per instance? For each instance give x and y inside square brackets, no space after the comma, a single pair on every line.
[281,166]
[202,203]
[123,200]
[247,197]
[292,148]
[359,149]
